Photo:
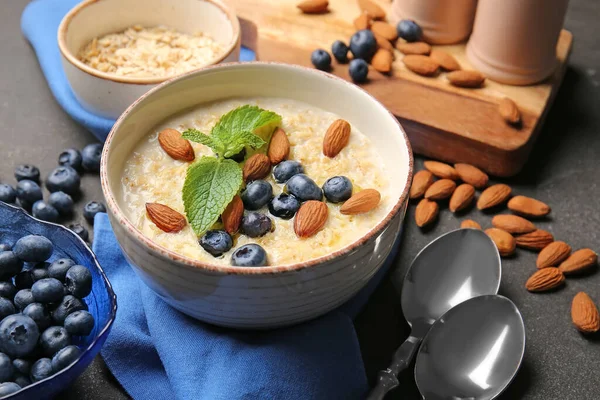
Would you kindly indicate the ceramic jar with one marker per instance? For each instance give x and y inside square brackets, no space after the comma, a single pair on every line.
[514,41]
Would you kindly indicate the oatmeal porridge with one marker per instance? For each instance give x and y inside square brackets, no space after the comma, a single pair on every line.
[270,204]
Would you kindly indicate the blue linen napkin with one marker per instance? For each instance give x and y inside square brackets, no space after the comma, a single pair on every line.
[156,352]
[39,23]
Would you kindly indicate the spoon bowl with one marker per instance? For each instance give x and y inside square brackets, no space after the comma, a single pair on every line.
[473,351]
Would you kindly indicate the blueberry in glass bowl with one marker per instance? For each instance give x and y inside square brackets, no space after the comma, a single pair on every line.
[99,305]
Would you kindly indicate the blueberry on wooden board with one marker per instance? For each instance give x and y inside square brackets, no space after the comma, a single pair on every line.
[321,59]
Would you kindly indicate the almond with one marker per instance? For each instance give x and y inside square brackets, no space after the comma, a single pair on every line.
[426,212]
[414,48]
[421,65]
[579,261]
[374,10]
[363,21]
[385,30]
[493,196]
[336,138]
[472,175]
[584,313]
[469,223]
[441,170]
[361,202]
[232,216]
[256,167]
[175,146]
[466,79]
[165,218]
[446,61]
[553,254]
[545,279]
[513,224]
[440,190]
[310,218]
[509,111]
[383,43]
[504,241]
[313,6]
[279,147]
[382,61]
[462,197]
[535,240]
[421,182]
[528,207]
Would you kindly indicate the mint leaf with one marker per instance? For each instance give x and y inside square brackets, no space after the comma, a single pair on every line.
[241,140]
[196,136]
[209,187]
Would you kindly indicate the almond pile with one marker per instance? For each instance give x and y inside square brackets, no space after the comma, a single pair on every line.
[555,262]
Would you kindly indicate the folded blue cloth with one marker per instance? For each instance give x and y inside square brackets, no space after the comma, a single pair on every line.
[39,24]
[156,352]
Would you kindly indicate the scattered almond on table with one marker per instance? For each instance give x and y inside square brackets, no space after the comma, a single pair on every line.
[466,79]
[313,6]
[584,313]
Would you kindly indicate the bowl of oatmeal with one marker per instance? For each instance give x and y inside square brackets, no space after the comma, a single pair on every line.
[256,195]
[113,51]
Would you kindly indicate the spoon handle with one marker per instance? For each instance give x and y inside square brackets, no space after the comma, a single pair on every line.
[387,378]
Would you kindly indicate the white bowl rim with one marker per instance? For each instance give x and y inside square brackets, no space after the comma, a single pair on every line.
[235,270]
[72,59]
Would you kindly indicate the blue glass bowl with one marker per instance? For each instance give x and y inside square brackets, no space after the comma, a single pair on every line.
[102,302]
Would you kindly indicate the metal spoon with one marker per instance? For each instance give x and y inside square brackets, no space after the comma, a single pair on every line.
[455,267]
[473,351]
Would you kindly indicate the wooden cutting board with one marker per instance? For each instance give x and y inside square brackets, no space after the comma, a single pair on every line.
[442,121]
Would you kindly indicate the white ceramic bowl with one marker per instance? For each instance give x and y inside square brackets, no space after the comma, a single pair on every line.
[109,95]
[259,297]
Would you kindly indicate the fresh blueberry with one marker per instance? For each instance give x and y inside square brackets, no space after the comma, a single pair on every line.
[50,290]
[71,158]
[256,224]
[249,255]
[28,192]
[239,157]
[65,357]
[18,335]
[41,369]
[79,323]
[303,188]
[22,380]
[10,265]
[80,231]
[216,242]
[63,179]
[286,169]
[26,171]
[38,313]
[6,368]
[33,248]
[53,339]
[68,305]
[39,272]
[44,211]
[62,202]
[409,30]
[23,298]
[22,366]
[8,194]
[24,280]
[6,308]
[7,289]
[78,281]
[91,209]
[363,44]
[58,269]
[321,60]
[284,206]
[257,194]
[91,157]
[337,189]
[359,69]
[7,388]
[340,51]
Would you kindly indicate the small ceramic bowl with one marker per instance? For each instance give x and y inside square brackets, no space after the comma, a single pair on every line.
[102,302]
[258,297]
[109,95]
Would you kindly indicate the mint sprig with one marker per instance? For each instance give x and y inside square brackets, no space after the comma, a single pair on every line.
[212,182]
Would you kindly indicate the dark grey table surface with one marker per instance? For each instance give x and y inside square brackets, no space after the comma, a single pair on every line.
[563,171]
